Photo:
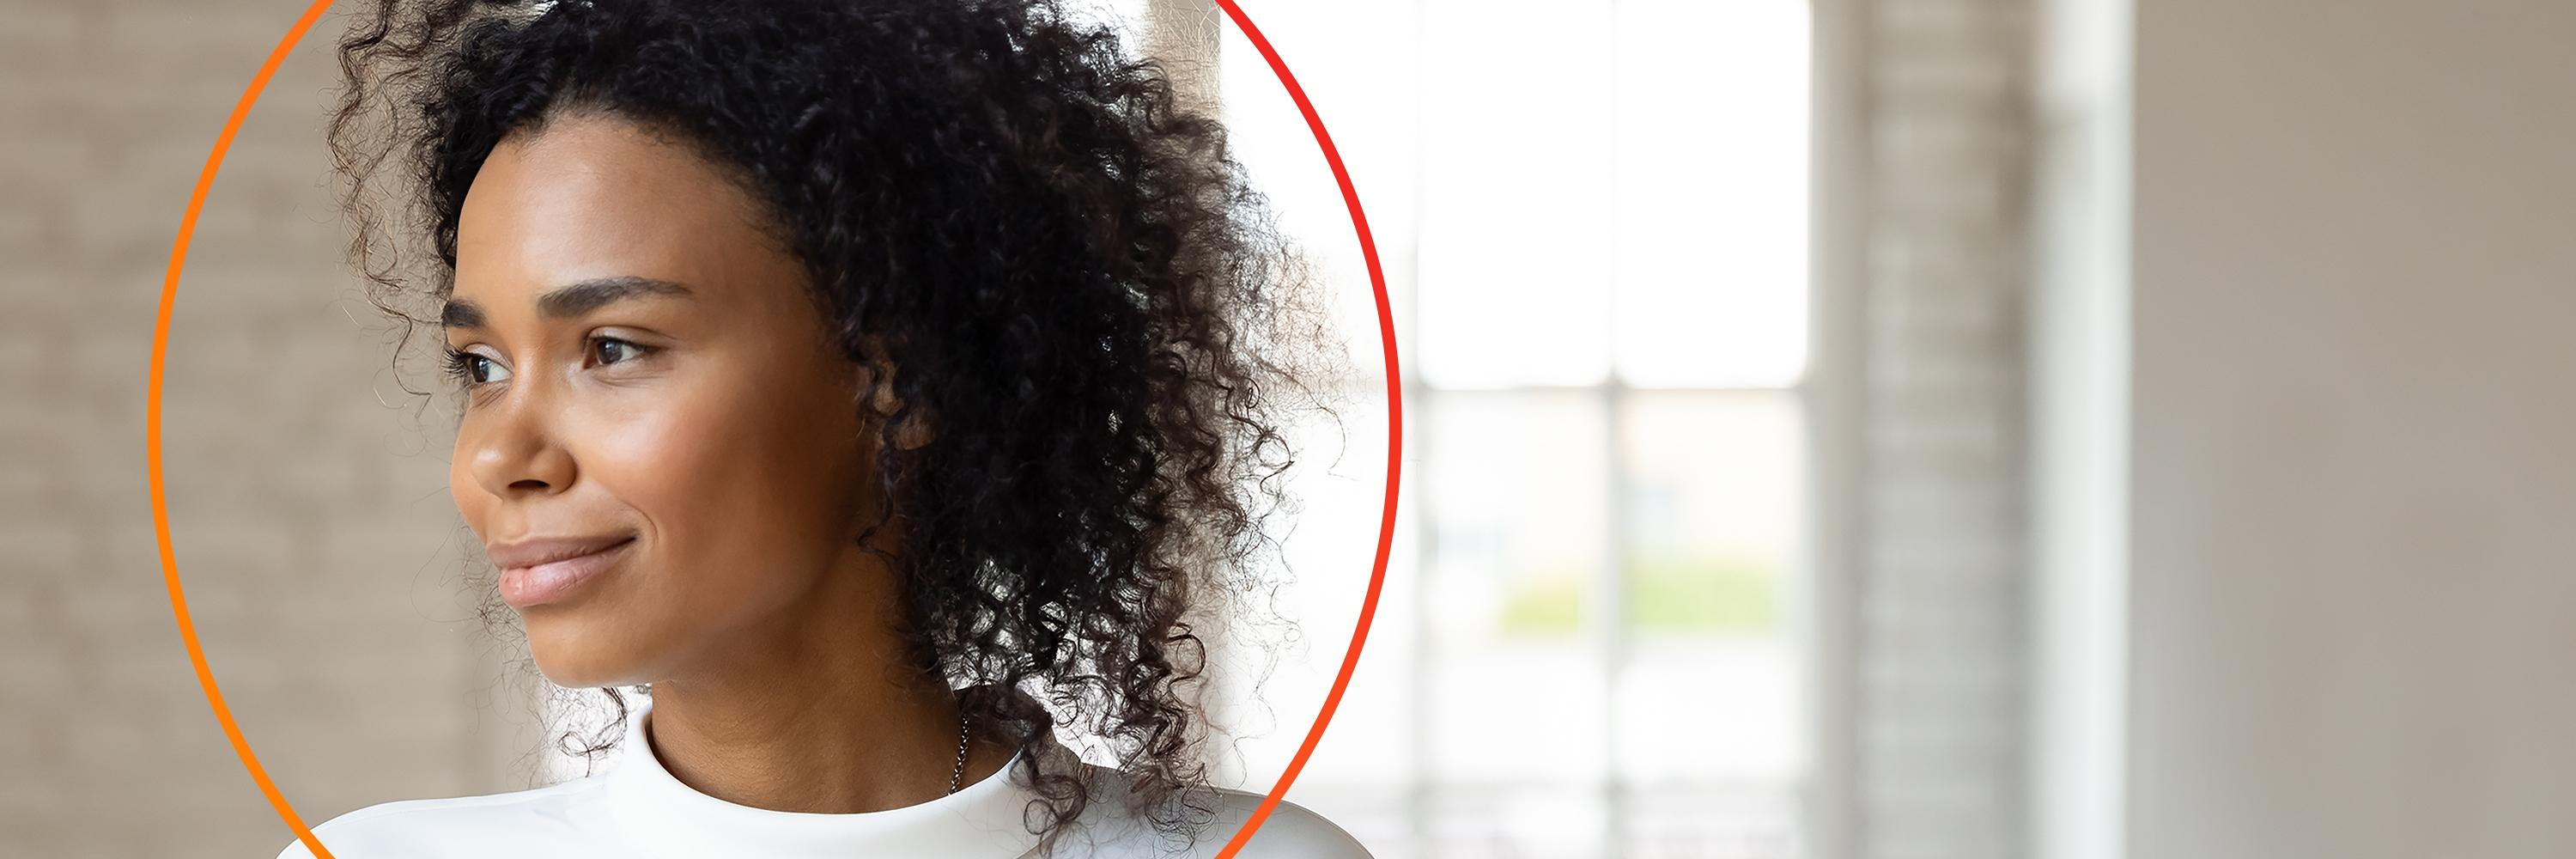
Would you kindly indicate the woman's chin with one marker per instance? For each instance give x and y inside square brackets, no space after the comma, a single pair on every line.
[574,660]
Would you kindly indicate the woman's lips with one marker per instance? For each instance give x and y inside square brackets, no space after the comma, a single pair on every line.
[543,570]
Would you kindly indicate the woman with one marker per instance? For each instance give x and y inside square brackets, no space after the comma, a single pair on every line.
[837,374]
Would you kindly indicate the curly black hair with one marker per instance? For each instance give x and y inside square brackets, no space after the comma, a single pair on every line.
[1075,278]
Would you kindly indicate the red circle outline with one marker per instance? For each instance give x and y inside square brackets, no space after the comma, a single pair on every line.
[161,350]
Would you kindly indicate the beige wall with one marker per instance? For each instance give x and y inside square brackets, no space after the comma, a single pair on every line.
[311,524]
[2354,499]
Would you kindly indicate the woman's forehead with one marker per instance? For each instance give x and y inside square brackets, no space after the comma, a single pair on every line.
[596,198]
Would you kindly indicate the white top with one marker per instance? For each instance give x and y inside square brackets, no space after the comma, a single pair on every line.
[637,809]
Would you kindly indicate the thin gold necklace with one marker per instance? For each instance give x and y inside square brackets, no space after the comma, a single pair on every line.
[957,777]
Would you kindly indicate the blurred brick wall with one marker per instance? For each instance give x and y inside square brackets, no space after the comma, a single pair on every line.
[311,523]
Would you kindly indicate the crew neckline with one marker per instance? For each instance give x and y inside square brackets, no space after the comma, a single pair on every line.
[982,820]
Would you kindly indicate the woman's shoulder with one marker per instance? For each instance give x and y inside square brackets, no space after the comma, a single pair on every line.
[1290,830]
[480,825]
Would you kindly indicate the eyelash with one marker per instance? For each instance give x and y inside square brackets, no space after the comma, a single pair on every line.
[460,363]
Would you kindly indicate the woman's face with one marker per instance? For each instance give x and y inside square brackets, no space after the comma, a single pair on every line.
[661,448]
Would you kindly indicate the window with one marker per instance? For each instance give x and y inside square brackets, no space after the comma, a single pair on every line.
[1593,216]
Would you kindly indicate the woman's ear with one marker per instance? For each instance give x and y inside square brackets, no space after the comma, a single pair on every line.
[918,427]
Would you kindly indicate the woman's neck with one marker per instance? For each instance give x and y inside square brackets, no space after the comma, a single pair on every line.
[815,714]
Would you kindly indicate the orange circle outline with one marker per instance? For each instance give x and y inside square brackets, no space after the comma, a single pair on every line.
[160,498]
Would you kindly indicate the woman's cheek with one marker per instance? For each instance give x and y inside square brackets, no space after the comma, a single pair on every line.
[683,460]
[660,458]
[650,453]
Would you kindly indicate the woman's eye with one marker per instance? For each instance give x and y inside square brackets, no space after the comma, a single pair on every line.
[475,368]
[610,350]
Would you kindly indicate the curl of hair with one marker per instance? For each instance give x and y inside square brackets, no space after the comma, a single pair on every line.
[1066,273]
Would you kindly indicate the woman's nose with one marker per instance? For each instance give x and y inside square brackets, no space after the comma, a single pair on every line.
[514,451]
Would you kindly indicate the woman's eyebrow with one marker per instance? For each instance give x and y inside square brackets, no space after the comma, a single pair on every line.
[572,299]
[585,296]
